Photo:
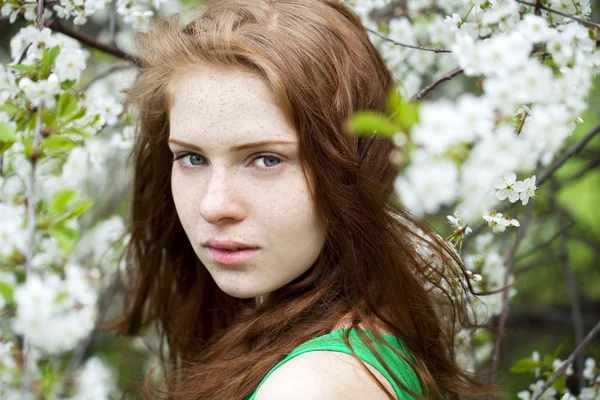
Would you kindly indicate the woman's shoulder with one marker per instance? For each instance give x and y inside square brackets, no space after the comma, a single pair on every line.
[325,368]
[323,375]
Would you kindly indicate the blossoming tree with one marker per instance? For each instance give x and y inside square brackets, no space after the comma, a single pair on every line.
[489,93]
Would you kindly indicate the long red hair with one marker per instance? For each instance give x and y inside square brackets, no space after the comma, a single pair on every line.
[317,58]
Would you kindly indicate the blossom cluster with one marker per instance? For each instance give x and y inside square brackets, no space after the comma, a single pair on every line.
[465,149]
[534,71]
[138,13]
[53,307]
[542,369]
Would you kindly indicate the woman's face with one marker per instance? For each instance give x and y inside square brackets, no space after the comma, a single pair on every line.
[255,194]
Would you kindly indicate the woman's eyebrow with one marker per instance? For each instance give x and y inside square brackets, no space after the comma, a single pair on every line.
[240,147]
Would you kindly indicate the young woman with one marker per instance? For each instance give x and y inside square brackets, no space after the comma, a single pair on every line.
[276,263]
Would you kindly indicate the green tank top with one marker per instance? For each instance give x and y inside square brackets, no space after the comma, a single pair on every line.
[334,341]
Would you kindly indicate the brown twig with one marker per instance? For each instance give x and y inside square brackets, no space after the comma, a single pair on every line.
[55,25]
[576,148]
[27,379]
[521,268]
[24,53]
[543,7]
[544,176]
[505,298]
[112,21]
[576,315]
[104,74]
[81,350]
[579,174]
[435,83]
[411,46]
[40,14]
[568,361]
[547,243]
[588,242]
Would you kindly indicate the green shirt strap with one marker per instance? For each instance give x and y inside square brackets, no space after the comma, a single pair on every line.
[334,341]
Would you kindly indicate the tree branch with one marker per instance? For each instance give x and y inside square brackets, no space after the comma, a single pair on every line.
[588,242]
[40,14]
[521,268]
[576,316]
[435,83]
[543,7]
[595,163]
[104,74]
[576,148]
[407,45]
[544,176]
[568,361]
[505,298]
[55,25]
[26,382]
[81,350]
[112,21]
[547,243]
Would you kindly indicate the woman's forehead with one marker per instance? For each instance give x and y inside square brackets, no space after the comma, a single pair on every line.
[226,102]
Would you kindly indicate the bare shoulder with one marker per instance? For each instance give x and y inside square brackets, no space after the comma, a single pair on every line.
[326,375]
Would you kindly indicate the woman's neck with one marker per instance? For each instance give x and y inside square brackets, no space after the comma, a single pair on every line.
[260,299]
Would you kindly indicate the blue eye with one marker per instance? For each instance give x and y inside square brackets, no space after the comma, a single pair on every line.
[194,159]
[269,157]
[270,161]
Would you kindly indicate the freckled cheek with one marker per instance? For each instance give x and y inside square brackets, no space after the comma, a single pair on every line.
[183,197]
[287,203]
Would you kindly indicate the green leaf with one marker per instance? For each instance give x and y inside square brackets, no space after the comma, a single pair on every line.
[365,122]
[482,336]
[80,208]
[8,137]
[22,67]
[62,296]
[66,105]
[524,365]
[50,57]
[78,131]
[68,84]
[61,200]
[547,360]
[560,384]
[80,113]
[7,292]
[557,351]
[58,144]
[65,237]
[404,113]
[48,119]
[10,109]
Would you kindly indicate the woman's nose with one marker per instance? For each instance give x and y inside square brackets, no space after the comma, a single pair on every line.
[221,200]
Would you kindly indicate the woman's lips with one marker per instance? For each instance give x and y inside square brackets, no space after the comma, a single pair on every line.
[231,257]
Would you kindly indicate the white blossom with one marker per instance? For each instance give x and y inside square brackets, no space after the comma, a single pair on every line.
[8,87]
[39,41]
[46,303]
[535,28]
[428,184]
[590,365]
[95,381]
[43,90]
[506,187]
[526,189]
[13,235]
[69,64]
[108,107]
[557,363]
[499,221]
[458,223]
